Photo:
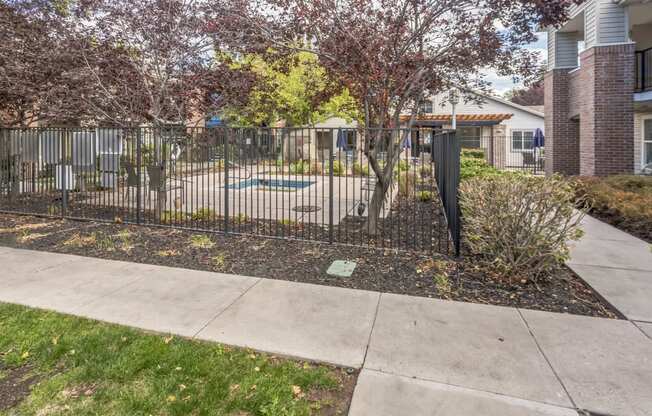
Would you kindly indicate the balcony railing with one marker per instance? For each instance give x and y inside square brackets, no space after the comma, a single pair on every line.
[644,70]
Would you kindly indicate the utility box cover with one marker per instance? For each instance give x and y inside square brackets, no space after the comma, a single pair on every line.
[341,268]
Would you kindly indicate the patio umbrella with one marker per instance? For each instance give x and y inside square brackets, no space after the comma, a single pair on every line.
[539,138]
[341,140]
[407,143]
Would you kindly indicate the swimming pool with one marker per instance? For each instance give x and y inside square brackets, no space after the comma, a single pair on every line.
[272,184]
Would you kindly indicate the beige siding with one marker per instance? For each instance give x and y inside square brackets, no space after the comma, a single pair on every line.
[638,139]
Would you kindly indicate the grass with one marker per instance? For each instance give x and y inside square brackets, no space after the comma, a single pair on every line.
[91,368]
[201,241]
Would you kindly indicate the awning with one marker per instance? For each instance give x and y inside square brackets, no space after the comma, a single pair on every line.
[438,120]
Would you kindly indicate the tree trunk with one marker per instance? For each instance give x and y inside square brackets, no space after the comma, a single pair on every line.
[376,206]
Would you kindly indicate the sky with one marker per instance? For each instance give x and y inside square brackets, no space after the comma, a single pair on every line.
[503,84]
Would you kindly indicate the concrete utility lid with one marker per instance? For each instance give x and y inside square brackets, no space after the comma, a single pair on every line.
[340,268]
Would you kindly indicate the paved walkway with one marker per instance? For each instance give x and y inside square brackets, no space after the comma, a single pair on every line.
[618,266]
[418,356]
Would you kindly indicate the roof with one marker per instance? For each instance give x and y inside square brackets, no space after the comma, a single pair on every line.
[511,104]
[460,117]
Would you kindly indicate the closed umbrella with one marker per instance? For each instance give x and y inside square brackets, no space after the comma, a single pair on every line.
[341,140]
[407,143]
[539,138]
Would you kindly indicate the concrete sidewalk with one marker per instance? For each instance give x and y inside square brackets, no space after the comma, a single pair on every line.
[419,356]
[617,265]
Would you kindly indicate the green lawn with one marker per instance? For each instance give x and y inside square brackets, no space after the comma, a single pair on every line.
[89,368]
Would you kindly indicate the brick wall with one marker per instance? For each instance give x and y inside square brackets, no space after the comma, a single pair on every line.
[562,141]
[590,115]
[612,139]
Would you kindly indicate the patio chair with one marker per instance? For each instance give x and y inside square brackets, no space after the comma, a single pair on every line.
[162,185]
[528,159]
[132,180]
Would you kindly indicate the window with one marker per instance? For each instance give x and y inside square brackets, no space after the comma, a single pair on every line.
[647,141]
[350,139]
[470,137]
[324,140]
[522,140]
[426,107]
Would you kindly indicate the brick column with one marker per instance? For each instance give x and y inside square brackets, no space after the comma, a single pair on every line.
[562,141]
[607,118]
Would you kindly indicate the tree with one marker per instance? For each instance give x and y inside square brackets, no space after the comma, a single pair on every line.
[390,54]
[533,92]
[118,62]
[34,57]
[296,90]
[532,95]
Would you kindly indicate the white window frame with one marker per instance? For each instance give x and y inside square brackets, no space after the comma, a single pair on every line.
[431,105]
[511,140]
[643,140]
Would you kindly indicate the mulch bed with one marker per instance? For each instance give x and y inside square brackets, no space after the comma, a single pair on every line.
[642,230]
[390,271]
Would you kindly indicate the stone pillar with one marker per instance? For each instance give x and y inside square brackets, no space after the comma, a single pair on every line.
[562,141]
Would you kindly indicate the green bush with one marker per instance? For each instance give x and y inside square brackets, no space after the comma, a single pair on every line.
[424,196]
[301,167]
[623,200]
[172,217]
[519,226]
[473,153]
[407,184]
[204,214]
[360,170]
[403,165]
[338,168]
[472,168]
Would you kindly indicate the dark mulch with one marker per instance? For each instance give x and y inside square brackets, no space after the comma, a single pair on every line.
[15,385]
[642,230]
[410,224]
[386,270]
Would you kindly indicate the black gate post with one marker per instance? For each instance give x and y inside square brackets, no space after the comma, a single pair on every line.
[139,167]
[226,180]
[64,173]
[331,163]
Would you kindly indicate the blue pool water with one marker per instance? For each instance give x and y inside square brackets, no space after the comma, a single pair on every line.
[271,183]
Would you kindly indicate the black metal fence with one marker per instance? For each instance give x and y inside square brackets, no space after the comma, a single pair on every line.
[518,152]
[298,183]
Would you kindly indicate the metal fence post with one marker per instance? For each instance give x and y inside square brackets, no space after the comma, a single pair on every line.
[226,181]
[64,175]
[139,178]
[331,164]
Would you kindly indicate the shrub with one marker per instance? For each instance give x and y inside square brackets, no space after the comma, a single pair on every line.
[172,217]
[473,153]
[360,169]
[472,168]
[403,165]
[407,184]
[301,167]
[424,196]
[624,201]
[519,226]
[338,168]
[204,214]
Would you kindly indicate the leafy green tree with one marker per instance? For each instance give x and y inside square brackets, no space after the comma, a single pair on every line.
[296,90]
